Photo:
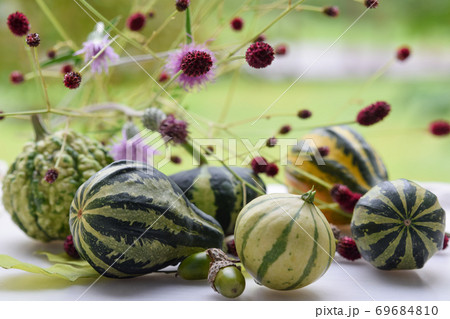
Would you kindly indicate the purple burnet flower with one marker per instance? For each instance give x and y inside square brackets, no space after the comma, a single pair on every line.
[197,63]
[133,149]
[97,40]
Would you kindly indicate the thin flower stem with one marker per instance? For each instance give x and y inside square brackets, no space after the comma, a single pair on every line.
[160,28]
[312,177]
[266,116]
[113,107]
[189,35]
[44,85]
[282,15]
[230,95]
[307,128]
[63,146]
[195,153]
[48,74]
[99,53]
[310,8]
[56,24]
[164,88]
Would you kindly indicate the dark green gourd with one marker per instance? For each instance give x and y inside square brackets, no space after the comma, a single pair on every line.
[129,219]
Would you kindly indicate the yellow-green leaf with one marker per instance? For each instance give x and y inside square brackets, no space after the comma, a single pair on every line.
[64,271]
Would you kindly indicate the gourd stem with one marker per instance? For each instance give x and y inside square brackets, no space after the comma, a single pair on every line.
[309,196]
[39,128]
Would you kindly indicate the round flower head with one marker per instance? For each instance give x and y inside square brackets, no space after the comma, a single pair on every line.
[69,247]
[259,55]
[51,54]
[271,170]
[1,117]
[182,5]
[95,43]
[51,175]
[163,77]
[403,53]
[72,80]
[175,159]
[281,49]
[136,21]
[373,113]
[237,24]
[331,11]
[175,129]
[346,247]
[304,114]
[346,199]
[18,24]
[33,39]
[259,165]
[372,4]
[16,77]
[323,150]
[440,128]
[197,64]
[285,129]
[271,142]
[66,68]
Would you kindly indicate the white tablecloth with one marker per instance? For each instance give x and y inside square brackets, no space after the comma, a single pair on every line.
[345,280]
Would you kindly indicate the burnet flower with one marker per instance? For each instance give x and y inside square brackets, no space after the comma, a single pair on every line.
[97,40]
[197,64]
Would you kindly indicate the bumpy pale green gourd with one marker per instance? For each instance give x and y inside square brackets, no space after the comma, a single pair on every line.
[39,208]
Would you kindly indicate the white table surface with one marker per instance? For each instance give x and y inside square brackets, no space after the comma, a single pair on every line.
[345,280]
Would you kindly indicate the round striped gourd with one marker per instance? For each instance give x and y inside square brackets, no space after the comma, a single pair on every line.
[129,219]
[284,241]
[351,162]
[217,192]
[398,225]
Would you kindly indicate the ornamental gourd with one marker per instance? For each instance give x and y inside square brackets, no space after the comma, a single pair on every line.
[398,225]
[351,162]
[284,241]
[40,209]
[129,219]
[217,192]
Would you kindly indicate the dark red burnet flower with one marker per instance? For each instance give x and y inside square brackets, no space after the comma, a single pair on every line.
[196,63]
[163,77]
[285,129]
[66,68]
[445,243]
[259,55]
[271,142]
[51,175]
[304,114]
[151,14]
[136,21]
[373,113]
[175,159]
[175,129]
[331,11]
[439,128]
[281,49]
[323,150]
[346,247]
[346,199]
[182,5]
[1,117]
[16,77]
[51,54]
[72,80]
[69,247]
[18,24]
[271,169]
[33,40]
[260,38]
[231,247]
[237,24]
[259,164]
[403,53]
[372,4]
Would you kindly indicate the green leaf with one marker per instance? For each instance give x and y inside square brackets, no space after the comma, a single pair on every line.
[63,271]
[62,58]
[63,258]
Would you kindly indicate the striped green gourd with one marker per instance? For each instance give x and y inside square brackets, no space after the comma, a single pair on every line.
[129,219]
[217,192]
[398,225]
[284,241]
[351,161]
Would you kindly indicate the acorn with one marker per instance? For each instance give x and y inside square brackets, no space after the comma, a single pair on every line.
[195,267]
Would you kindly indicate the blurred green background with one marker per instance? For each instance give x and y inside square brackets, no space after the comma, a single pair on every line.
[402,139]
